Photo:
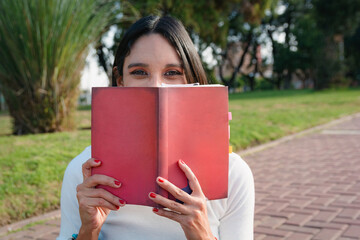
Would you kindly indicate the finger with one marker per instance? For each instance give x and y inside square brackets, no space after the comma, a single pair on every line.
[193,181]
[173,190]
[97,202]
[167,203]
[86,167]
[101,193]
[169,214]
[99,179]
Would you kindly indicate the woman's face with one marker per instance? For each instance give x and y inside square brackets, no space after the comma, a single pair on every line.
[152,61]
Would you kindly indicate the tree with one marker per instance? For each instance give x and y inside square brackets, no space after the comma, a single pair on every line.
[345,17]
[208,22]
[352,56]
[43,45]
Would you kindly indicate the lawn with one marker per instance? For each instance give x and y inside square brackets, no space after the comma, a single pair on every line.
[32,166]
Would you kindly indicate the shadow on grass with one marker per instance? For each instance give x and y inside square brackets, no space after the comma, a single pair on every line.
[84,128]
[270,94]
[84,108]
[285,93]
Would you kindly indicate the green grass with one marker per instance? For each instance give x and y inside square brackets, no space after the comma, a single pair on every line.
[32,166]
[260,117]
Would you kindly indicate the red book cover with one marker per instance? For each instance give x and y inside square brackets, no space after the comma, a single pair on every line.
[140,133]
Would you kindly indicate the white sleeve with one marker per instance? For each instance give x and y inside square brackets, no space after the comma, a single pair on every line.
[70,218]
[238,219]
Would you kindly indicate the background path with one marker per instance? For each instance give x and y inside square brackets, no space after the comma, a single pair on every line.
[307,187]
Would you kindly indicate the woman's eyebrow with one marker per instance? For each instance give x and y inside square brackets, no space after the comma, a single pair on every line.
[138,65]
[174,65]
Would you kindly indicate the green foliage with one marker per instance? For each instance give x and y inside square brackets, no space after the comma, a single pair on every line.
[314,32]
[352,53]
[337,17]
[45,44]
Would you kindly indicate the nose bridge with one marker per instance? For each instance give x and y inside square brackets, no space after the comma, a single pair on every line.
[156,80]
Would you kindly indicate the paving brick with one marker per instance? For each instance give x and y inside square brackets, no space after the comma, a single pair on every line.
[315,224]
[272,238]
[300,236]
[299,219]
[353,232]
[277,206]
[293,228]
[349,213]
[324,216]
[328,234]
[345,199]
[276,214]
[346,238]
[323,201]
[291,209]
[272,232]
[272,222]
[259,236]
[346,221]
[323,208]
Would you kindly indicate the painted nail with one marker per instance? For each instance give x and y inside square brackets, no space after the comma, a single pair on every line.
[155,210]
[117,207]
[117,183]
[160,179]
[181,161]
[122,202]
[97,160]
[152,195]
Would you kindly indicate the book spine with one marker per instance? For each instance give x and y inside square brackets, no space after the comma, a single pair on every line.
[162,137]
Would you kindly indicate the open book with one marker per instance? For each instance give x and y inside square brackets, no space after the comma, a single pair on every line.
[140,133]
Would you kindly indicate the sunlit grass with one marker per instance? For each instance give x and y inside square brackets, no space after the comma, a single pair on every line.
[264,116]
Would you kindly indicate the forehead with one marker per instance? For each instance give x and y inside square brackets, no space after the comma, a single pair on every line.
[152,49]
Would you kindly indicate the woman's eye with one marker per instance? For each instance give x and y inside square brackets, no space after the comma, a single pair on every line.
[138,72]
[173,73]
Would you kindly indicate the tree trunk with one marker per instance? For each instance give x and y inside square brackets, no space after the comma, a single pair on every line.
[241,61]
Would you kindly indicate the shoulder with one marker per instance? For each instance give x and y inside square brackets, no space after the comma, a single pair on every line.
[238,169]
[73,169]
[70,219]
[241,180]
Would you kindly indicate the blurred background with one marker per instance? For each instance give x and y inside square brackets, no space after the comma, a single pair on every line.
[289,65]
[247,45]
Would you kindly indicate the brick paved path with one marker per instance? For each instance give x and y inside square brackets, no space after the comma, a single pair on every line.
[306,188]
[309,187]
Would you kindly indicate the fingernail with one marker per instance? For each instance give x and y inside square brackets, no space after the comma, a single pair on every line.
[155,210]
[97,160]
[117,183]
[122,202]
[152,195]
[160,179]
[117,207]
[181,161]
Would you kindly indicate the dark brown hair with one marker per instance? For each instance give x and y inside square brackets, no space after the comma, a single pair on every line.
[172,30]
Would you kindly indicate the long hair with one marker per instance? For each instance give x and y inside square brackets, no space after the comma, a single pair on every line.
[172,30]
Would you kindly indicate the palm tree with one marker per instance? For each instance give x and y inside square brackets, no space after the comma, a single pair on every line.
[43,46]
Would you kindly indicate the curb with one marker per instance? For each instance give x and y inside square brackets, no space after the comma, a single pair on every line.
[261,147]
[18,225]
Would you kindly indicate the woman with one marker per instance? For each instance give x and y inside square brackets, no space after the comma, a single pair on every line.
[155,51]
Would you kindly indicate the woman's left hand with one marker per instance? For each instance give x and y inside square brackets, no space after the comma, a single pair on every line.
[192,215]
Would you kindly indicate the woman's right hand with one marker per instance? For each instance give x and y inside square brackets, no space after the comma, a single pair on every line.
[95,203]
